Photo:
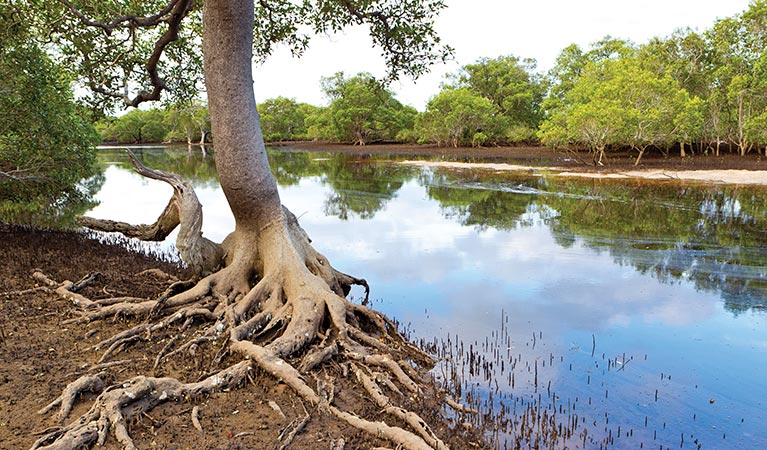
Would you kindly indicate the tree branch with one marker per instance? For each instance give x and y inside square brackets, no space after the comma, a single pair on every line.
[21,175]
[129,20]
[173,13]
[400,30]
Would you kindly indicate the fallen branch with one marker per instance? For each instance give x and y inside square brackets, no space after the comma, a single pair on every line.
[292,430]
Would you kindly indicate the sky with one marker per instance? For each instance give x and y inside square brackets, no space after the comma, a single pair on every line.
[537,29]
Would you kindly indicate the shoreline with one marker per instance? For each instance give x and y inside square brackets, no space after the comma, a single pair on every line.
[540,157]
[619,165]
[714,176]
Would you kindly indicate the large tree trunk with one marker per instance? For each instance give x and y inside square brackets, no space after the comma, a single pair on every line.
[241,159]
[265,285]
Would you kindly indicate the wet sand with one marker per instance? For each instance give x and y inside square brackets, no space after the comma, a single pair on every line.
[717,176]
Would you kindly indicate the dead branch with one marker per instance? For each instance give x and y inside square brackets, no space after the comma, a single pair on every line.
[292,430]
[66,289]
[109,364]
[25,292]
[458,406]
[277,409]
[201,255]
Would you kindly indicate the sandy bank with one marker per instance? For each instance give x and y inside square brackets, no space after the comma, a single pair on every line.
[718,176]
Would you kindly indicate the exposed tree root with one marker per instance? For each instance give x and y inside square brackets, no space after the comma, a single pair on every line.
[86,383]
[458,406]
[292,430]
[338,444]
[409,417]
[196,419]
[271,299]
[118,403]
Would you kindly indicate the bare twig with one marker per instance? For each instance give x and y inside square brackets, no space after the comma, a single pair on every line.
[293,429]
[277,408]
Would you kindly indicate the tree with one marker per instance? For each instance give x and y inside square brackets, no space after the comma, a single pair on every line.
[738,86]
[459,117]
[136,127]
[622,101]
[591,113]
[685,56]
[510,84]
[284,119]
[568,67]
[265,286]
[189,121]
[571,63]
[46,143]
[361,110]
[659,113]
[581,109]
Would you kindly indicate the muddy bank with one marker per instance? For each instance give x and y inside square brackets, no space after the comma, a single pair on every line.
[39,356]
[546,157]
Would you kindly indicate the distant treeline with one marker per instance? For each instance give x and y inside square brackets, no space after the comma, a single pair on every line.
[690,92]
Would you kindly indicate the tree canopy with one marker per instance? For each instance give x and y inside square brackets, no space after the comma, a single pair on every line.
[284,119]
[460,117]
[129,54]
[361,111]
[697,92]
[693,91]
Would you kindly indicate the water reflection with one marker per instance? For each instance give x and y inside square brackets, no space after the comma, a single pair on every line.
[60,212]
[671,277]
[712,236]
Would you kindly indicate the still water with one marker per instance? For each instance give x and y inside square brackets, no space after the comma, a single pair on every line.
[634,310]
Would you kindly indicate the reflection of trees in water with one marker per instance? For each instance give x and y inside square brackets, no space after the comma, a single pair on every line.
[482,208]
[711,236]
[360,185]
[290,167]
[59,212]
[191,162]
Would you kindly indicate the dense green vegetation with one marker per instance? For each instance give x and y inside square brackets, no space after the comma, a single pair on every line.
[46,140]
[691,91]
[361,111]
[699,92]
[189,122]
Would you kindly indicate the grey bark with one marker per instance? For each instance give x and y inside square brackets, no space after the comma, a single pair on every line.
[241,161]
